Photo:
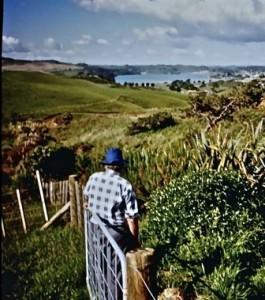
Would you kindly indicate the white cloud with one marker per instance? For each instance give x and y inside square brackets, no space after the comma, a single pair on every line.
[80,42]
[87,37]
[156,32]
[12,44]
[10,41]
[69,52]
[199,52]
[203,10]
[85,40]
[197,17]
[179,51]
[151,51]
[126,42]
[51,44]
[102,42]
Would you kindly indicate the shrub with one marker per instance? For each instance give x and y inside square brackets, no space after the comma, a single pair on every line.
[258,282]
[154,122]
[177,85]
[207,226]
[53,162]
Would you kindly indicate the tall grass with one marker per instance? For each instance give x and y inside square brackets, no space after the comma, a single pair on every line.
[44,265]
[152,165]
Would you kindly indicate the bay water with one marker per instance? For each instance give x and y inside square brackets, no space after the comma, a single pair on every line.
[163,78]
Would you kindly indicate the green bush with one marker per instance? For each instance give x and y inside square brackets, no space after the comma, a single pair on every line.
[44,265]
[207,226]
[155,122]
[55,162]
[258,282]
[177,85]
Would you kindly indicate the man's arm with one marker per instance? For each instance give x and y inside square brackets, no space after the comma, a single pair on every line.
[133,227]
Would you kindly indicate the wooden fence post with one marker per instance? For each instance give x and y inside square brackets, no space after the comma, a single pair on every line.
[139,266]
[3,228]
[73,207]
[51,190]
[79,206]
[21,211]
[42,196]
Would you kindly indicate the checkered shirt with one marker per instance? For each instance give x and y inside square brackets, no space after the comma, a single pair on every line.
[111,197]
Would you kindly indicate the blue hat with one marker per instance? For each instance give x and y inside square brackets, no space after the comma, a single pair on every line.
[114,157]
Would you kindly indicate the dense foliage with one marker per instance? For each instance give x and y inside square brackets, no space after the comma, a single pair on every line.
[216,107]
[178,85]
[153,122]
[208,229]
[44,265]
[55,162]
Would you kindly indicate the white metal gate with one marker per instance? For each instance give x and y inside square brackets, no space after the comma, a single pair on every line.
[106,269]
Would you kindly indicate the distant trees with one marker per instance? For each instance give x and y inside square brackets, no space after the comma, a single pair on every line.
[136,84]
[178,85]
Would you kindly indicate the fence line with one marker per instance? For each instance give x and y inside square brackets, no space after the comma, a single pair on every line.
[54,192]
[108,272]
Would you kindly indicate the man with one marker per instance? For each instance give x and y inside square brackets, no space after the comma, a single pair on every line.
[112,199]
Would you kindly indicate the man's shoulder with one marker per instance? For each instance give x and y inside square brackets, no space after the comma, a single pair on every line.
[96,175]
[124,181]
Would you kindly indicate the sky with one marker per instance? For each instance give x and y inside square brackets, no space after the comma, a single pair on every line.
[118,32]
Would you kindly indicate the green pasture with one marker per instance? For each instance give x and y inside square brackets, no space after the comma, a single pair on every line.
[209,186]
[42,94]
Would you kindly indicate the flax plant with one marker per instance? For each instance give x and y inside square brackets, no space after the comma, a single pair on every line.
[245,152]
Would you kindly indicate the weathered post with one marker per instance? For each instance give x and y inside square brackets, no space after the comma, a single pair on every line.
[79,206]
[139,266]
[42,196]
[72,195]
[3,228]
[51,190]
[21,211]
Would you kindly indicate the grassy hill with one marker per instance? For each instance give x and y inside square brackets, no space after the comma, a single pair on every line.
[42,94]
[217,245]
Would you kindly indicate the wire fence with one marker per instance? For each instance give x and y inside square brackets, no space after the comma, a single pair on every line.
[21,210]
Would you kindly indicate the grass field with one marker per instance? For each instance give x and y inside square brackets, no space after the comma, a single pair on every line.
[101,117]
[42,94]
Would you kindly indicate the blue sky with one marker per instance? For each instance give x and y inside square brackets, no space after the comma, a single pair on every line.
[200,32]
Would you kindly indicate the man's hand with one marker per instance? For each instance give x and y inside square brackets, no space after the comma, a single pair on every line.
[133,225]
[85,205]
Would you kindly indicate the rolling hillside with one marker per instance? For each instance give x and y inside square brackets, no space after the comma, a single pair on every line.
[42,94]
